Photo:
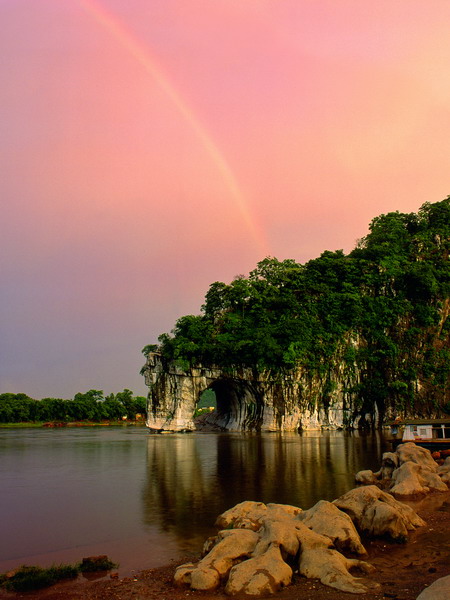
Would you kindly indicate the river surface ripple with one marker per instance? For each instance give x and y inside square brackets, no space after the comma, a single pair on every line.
[146,499]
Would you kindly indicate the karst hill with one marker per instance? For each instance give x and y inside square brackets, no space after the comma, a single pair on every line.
[345,340]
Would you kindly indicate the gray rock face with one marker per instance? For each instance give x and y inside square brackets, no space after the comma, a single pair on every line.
[438,590]
[246,399]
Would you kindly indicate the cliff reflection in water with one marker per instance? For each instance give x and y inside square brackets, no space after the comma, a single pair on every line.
[192,478]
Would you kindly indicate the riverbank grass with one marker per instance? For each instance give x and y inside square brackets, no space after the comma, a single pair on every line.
[27,578]
[21,425]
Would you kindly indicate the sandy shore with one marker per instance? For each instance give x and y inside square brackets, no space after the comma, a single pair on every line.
[402,570]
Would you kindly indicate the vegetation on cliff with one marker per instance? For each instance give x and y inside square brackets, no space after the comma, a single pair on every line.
[378,315]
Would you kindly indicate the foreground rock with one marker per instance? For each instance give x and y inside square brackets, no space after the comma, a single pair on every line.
[326,518]
[439,590]
[262,544]
[263,574]
[376,513]
[408,472]
[444,471]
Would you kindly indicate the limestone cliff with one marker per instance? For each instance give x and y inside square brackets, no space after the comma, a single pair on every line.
[250,400]
[342,341]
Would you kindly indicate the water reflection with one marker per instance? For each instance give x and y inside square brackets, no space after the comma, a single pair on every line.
[193,478]
[145,499]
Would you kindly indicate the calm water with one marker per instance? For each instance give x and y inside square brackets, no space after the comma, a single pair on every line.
[146,499]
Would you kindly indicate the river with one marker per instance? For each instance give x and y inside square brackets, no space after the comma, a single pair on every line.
[146,499]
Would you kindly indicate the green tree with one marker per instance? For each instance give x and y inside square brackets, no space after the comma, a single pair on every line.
[378,315]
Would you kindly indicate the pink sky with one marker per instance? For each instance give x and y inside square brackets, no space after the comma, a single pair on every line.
[151,147]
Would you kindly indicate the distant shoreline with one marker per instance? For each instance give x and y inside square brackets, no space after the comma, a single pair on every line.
[63,424]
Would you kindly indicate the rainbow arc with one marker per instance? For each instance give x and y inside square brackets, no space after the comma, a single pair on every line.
[141,53]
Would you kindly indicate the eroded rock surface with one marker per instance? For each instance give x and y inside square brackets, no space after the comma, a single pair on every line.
[263,574]
[226,548]
[251,515]
[333,569]
[412,479]
[377,513]
[325,518]
[444,471]
[255,554]
[260,544]
[410,471]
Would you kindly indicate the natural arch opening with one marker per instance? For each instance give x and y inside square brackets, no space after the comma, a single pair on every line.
[207,399]
[238,405]
[206,404]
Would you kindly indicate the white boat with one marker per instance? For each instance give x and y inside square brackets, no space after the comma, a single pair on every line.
[433,434]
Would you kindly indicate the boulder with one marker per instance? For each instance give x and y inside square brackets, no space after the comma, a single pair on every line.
[264,574]
[444,471]
[183,574]
[255,563]
[204,578]
[445,466]
[333,569]
[389,462]
[250,515]
[377,513]
[282,511]
[445,477]
[310,540]
[325,518]
[438,590]
[413,478]
[410,471]
[252,555]
[228,547]
[281,533]
[319,560]
[367,477]
[410,452]
[246,515]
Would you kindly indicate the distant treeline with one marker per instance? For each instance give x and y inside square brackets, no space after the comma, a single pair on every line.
[90,406]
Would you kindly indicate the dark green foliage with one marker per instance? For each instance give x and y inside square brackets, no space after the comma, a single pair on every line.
[149,348]
[90,406]
[207,399]
[16,408]
[29,578]
[94,564]
[382,311]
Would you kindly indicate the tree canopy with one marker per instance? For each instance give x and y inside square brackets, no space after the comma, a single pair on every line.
[88,406]
[383,309]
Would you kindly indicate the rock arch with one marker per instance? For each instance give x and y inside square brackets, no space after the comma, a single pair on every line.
[247,400]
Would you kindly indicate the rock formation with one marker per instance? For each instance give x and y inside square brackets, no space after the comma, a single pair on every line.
[246,399]
[343,340]
[439,590]
[262,544]
[259,546]
[376,513]
[410,471]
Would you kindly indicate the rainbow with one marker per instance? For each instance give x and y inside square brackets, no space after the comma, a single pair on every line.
[143,56]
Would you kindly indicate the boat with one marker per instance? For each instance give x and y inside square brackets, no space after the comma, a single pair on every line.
[433,434]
